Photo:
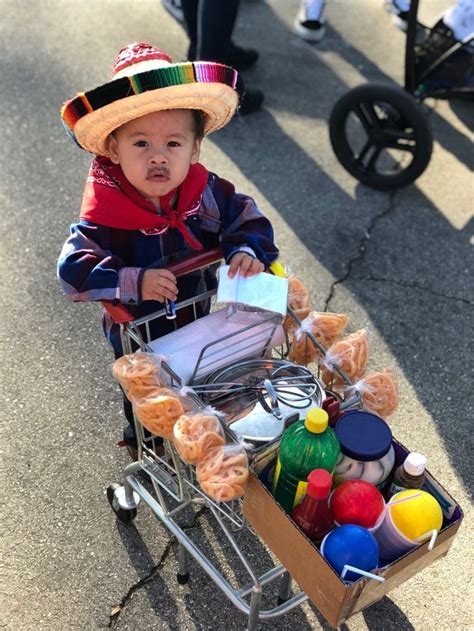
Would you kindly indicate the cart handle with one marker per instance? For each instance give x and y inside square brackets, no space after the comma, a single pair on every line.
[121,315]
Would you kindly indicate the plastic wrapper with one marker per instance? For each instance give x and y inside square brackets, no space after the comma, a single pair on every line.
[190,400]
[223,475]
[139,374]
[291,325]
[195,435]
[326,327]
[350,354]
[379,392]
[298,295]
[158,411]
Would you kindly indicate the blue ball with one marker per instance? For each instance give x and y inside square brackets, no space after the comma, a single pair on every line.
[351,545]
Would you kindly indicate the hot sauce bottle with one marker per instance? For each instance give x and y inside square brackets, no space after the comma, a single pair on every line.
[313,515]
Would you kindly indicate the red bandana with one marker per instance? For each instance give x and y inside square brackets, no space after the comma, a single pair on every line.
[110,200]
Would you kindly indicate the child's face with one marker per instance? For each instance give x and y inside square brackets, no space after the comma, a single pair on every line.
[156,151]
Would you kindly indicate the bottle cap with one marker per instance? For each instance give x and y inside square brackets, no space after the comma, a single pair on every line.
[316,420]
[363,436]
[319,484]
[415,464]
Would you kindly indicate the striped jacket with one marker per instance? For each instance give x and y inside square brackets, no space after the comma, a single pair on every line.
[103,263]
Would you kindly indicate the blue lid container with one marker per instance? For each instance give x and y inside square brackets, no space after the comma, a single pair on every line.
[363,436]
[351,545]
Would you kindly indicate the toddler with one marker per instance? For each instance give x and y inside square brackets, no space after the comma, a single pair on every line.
[148,202]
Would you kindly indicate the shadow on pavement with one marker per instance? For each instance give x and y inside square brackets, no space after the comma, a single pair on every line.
[464,110]
[387,610]
[156,588]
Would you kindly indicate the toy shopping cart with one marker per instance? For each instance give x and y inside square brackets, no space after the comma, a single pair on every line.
[243,368]
[238,365]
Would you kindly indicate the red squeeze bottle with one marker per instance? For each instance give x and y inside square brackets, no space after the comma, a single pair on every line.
[313,515]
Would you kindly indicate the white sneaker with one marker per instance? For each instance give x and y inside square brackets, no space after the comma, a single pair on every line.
[399,12]
[310,22]
[174,8]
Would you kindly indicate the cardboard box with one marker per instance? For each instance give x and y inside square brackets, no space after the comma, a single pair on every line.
[336,600]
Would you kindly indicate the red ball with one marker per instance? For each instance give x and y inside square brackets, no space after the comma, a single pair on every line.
[357,502]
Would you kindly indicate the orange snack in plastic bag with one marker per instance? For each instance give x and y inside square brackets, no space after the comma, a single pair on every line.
[379,392]
[326,328]
[137,373]
[298,295]
[224,473]
[194,435]
[330,326]
[159,411]
[350,354]
[302,350]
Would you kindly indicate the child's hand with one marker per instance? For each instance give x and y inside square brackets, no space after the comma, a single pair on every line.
[245,264]
[159,284]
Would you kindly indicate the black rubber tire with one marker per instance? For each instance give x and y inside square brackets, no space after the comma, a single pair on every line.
[281,600]
[403,106]
[123,515]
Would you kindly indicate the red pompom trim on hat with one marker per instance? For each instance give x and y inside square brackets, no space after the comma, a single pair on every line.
[137,52]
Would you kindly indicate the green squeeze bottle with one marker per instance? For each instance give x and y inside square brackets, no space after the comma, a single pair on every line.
[305,446]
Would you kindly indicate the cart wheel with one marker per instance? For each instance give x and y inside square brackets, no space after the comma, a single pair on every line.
[182,578]
[281,600]
[380,135]
[123,515]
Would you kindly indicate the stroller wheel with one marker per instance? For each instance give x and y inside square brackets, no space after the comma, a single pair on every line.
[380,135]
[124,515]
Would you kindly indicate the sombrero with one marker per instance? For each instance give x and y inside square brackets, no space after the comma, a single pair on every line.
[145,80]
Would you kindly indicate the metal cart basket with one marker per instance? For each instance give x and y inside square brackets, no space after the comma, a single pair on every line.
[168,486]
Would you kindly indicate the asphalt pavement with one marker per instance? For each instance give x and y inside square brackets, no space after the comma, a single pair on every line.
[398,263]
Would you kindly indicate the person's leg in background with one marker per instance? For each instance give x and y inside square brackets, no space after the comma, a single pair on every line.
[457,70]
[216,21]
[455,24]
[310,23]
[174,8]
[209,24]
[190,15]
[460,19]
[399,10]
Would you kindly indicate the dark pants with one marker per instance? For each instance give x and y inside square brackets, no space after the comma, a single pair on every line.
[209,24]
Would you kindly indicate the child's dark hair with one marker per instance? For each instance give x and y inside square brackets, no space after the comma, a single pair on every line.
[199,119]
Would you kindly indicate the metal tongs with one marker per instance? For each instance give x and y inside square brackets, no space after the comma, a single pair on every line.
[292,391]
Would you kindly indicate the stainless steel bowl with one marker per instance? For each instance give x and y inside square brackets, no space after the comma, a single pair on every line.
[257,397]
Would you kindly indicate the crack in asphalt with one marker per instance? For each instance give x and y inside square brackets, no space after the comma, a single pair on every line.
[361,253]
[361,249]
[117,609]
[414,286]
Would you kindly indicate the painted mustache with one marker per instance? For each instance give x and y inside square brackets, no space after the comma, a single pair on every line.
[163,171]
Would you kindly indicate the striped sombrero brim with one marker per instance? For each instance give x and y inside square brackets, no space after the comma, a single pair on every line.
[90,117]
